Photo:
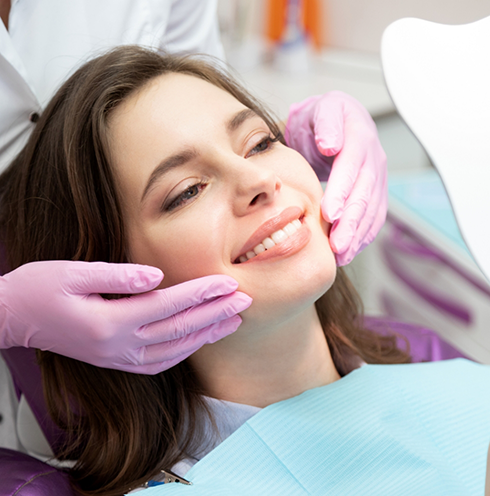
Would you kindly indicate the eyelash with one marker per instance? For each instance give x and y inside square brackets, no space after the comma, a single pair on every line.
[270,140]
[180,199]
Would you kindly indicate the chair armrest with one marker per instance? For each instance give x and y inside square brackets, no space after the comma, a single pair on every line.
[23,475]
[425,344]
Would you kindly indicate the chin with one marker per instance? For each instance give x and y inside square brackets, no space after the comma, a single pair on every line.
[291,291]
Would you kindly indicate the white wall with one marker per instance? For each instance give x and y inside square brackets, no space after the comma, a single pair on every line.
[359,24]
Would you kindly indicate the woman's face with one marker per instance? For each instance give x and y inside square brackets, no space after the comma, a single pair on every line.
[203,187]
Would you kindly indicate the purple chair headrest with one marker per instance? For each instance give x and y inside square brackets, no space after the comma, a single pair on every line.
[23,475]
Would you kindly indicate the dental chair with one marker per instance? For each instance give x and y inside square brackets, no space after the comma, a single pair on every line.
[426,66]
[20,473]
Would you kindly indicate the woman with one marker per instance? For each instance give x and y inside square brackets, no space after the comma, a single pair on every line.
[146,159]
[42,43]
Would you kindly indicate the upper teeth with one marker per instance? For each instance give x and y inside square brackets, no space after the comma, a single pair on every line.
[273,240]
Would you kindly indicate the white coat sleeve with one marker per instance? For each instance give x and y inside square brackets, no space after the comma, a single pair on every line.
[193,28]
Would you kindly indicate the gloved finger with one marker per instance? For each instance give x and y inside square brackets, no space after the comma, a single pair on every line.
[328,125]
[99,277]
[193,319]
[359,203]
[358,240]
[359,244]
[150,369]
[343,177]
[175,351]
[163,303]
[372,221]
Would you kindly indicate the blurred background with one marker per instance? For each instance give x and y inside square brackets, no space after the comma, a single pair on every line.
[419,269]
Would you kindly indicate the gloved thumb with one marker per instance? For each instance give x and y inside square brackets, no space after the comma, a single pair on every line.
[99,277]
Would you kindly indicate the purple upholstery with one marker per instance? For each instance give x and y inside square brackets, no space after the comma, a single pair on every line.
[27,380]
[425,345]
[22,475]
[30,477]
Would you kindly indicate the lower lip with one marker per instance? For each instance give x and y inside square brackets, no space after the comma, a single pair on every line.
[288,247]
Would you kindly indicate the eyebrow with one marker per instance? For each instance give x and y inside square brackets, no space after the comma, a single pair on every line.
[239,118]
[186,156]
[167,165]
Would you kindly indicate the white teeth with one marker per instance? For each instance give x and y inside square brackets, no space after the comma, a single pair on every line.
[268,243]
[290,229]
[275,238]
[260,248]
[279,236]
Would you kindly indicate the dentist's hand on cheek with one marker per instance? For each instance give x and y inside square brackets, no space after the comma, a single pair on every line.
[338,137]
[56,306]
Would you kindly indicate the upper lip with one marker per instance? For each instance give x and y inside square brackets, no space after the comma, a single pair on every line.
[268,227]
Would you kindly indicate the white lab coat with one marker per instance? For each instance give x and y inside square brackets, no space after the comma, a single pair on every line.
[49,39]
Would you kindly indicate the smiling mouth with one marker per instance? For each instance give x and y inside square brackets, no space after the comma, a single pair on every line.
[276,238]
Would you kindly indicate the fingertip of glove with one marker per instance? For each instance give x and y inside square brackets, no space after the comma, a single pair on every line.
[331,211]
[344,259]
[343,250]
[229,326]
[334,214]
[146,277]
[222,284]
[241,301]
[327,148]
[340,244]
[212,286]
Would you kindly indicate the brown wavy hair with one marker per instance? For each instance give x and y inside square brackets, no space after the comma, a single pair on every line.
[60,202]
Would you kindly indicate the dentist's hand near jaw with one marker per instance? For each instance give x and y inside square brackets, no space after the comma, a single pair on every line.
[336,128]
[55,306]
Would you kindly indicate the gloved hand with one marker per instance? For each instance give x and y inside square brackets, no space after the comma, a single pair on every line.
[56,306]
[356,197]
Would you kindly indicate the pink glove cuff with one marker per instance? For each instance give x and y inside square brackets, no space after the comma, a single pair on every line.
[10,326]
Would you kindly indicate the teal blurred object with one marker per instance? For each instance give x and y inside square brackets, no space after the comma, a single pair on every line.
[415,429]
[424,194]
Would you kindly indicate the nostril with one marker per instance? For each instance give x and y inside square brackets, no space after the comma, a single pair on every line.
[254,200]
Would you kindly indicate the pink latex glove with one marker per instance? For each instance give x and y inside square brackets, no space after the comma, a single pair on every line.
[356,197]
[56,306]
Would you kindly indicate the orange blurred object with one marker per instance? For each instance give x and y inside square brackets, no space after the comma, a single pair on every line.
[276,19]
[311,20]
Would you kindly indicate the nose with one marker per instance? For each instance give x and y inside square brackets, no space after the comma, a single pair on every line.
[256,186]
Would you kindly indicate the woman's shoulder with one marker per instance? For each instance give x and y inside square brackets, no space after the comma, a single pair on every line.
[445,381]
[453,366]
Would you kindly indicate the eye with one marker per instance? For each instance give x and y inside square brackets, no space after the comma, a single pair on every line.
[263,146]
[185,197]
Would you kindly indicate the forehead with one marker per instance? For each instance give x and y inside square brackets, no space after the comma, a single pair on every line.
[171,113]
[175,100]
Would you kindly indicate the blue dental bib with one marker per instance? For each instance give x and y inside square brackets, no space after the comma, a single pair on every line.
[420,429]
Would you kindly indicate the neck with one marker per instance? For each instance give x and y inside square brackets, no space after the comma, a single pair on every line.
[5,11]
[267,366]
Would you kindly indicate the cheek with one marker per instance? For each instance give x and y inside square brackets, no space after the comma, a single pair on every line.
[317,269]
[182,253]
[296,172]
